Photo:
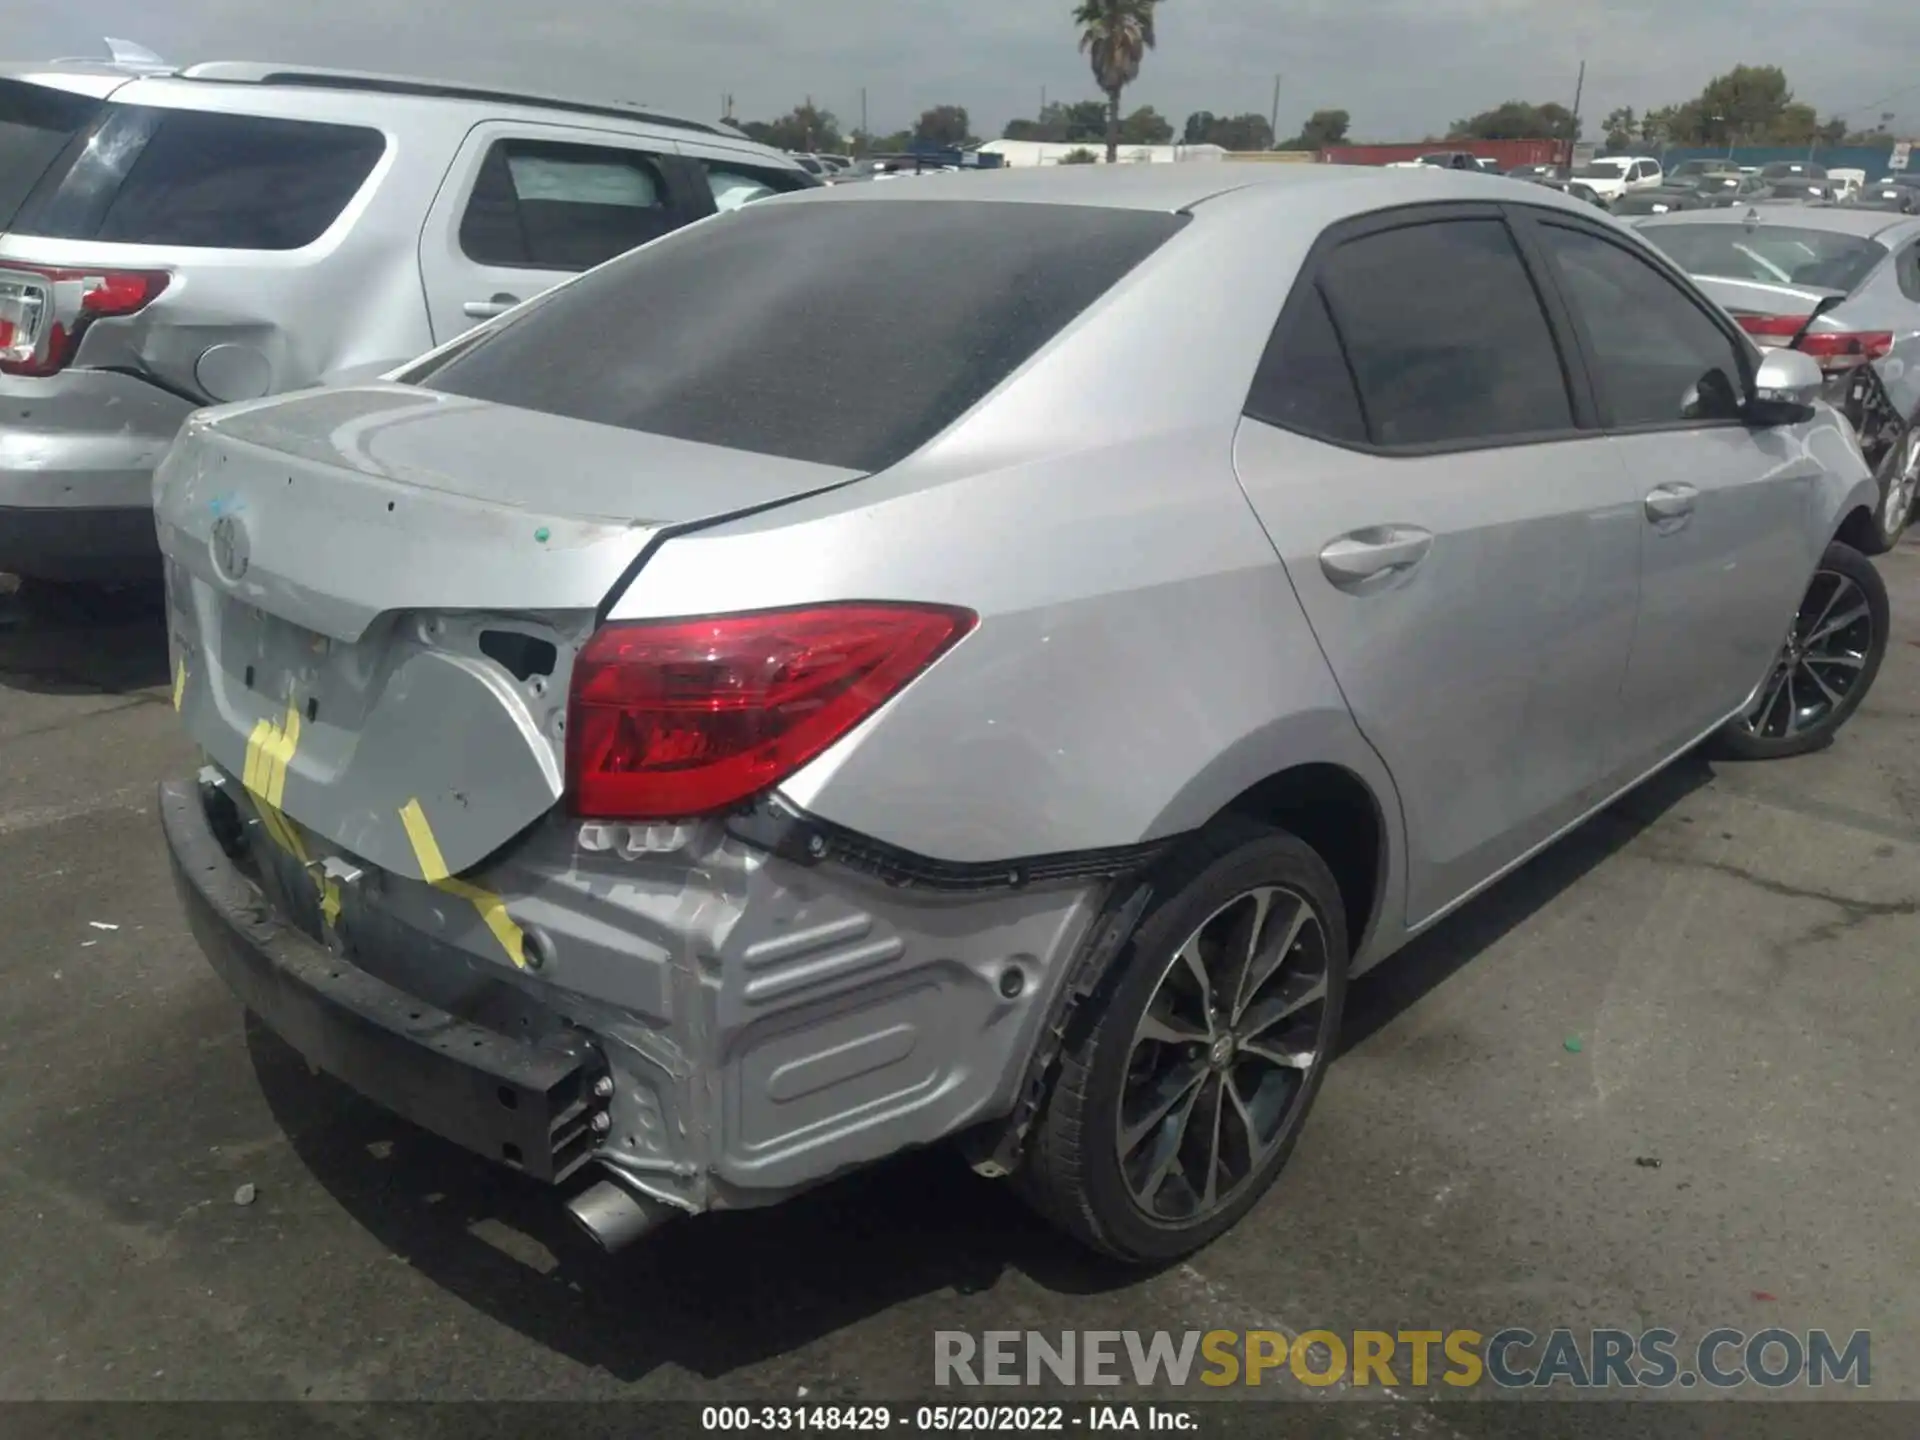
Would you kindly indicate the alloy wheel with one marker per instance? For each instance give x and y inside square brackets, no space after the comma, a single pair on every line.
[1221,1059]
[1824,656]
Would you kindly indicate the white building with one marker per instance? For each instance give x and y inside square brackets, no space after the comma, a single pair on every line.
[1047,152]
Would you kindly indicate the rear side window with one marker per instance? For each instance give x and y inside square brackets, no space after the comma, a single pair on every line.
[541,205]
[196,178]
[847,334]
[1446,335]
[1303,382]
[36,124]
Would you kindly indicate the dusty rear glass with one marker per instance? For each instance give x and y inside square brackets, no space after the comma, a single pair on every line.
[152,176]
[1772,254]
[36,124]
[846,334]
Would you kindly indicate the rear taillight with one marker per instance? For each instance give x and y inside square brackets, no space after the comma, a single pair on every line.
[44,312]
[676,718]
[1835,350]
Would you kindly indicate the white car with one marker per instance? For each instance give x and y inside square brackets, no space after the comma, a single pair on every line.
[1846,183]
[1612,176]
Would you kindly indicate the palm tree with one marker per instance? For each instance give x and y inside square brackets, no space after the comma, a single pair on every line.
[1116,35]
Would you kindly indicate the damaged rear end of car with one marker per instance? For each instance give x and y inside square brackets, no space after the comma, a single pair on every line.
[514,864]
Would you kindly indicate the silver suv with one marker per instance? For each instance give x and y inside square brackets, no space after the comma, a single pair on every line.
[171,239]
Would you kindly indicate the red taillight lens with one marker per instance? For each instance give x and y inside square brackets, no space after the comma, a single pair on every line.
[1834,350]
[675,718]
[43,312]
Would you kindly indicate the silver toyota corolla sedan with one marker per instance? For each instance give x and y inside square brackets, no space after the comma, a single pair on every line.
[989,658]
[1851,279]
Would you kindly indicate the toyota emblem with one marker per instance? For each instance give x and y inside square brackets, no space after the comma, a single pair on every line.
[229,548]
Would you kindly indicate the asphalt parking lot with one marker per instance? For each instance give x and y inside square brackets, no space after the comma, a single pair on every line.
[1718,975]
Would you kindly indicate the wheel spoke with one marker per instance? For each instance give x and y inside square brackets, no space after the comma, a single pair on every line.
[1276,1053]
[1162,1025]
[1758,716]
[1197,966]
[1847,662]
[1210,1190]
[1843,621]
[1833,598]
[1166,1153]
[1262,967]
[1833,696]
[1793,706]
[1261,1018]
[1176,1087]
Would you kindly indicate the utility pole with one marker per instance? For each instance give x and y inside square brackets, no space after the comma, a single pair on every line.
[1573,121]
[866,134]
[1273,123]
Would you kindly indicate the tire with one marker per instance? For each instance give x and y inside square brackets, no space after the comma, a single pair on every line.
[1898,477]
[1073,1172]
[1822,674]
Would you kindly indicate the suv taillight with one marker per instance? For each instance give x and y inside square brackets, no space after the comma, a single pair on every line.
[44,312]
[1835,350]
[675,718]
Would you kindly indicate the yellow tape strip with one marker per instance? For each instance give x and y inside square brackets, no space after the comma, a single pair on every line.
[433,865]
[426,849]
[179,683]
[270,750]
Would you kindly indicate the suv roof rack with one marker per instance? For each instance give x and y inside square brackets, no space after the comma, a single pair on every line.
[260,73]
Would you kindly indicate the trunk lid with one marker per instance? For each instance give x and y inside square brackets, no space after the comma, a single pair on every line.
[376,592]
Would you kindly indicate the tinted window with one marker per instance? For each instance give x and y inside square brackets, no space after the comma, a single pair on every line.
[1303,382]
[1446,334]
[1907,270]
[36,124]
[546,206]
[1659,358]
[184,177]
[845,334]
[1773,254]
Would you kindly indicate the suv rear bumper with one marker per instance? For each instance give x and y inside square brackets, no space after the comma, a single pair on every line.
[77,454]
[527,1105]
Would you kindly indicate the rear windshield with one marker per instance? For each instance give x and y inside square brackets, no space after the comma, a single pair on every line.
[847,334]
[1603,170]
[204,179]
[1773,254]
[36,124]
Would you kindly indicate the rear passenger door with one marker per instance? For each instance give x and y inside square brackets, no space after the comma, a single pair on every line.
[1723,506]
[1419,446]
[526,205]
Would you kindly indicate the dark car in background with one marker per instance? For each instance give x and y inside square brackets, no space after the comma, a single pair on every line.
[1794,191]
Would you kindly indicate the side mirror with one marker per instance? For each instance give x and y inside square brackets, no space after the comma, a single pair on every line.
[1784,388]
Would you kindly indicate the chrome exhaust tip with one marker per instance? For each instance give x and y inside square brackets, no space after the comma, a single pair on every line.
[615,1216]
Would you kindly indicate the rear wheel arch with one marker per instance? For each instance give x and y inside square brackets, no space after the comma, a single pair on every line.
[1337,815]
[1857,529]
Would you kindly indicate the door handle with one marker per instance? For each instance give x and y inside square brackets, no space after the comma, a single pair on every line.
[487,309]
[1358,557]
[1671,502]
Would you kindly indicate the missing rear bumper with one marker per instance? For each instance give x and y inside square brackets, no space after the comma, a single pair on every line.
[529,1106]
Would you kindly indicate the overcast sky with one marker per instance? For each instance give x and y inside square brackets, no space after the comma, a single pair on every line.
[1403,68]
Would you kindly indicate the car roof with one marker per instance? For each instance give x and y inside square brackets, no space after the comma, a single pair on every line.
[1327,192]
[101,78]
[1867,224]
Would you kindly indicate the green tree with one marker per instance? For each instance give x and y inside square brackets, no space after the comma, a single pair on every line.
[1517,120]
[1116,35]
[1146,126]
[1085,120]
[1620,127]
[945,126]
[805,128]
[1199,125]
[1322,128]
[1746,102]
[1081,156]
